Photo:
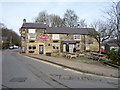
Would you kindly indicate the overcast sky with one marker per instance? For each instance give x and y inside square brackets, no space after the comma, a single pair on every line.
[12,13]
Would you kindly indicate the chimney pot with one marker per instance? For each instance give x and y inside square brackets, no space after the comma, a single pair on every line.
[24,20]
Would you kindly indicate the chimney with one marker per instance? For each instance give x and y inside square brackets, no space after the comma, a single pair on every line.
[24,20]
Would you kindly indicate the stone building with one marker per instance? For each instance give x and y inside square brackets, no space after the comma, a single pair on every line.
[37,38]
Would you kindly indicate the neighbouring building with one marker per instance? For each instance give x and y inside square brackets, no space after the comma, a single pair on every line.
[37,38]
[110,45]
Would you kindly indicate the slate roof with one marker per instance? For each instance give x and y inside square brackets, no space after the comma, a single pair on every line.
[67,30]
[111,42]
[33,25]
[59,30]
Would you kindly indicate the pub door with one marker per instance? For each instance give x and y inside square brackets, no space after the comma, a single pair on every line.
[41,49]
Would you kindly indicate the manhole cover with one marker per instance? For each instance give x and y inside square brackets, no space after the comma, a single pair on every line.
[18,79]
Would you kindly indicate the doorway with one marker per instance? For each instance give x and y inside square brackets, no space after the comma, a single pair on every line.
[41,49]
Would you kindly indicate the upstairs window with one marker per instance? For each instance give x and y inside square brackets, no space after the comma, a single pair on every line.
[32,36]
[55,36]
[76,37]
[31,30]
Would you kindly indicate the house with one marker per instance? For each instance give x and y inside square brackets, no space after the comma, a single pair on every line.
[110,45]
[37,38]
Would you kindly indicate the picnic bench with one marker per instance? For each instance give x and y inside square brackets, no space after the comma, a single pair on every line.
[71,55]
[96,56]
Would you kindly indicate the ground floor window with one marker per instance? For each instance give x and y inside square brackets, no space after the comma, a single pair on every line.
[32,47]
[71,48]
[77,46]
[23,49]
[56,46]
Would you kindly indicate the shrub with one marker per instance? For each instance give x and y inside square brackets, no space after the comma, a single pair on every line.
[114,56]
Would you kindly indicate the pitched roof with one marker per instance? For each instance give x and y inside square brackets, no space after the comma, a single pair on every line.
[33,25]
[59,30]
[67,30]
[110,42]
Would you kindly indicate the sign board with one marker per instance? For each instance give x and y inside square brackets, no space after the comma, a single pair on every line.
[43,36]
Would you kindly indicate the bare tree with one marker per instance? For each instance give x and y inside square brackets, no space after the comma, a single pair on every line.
[70,18]
[82,23]
[50,20]
[42,17]
[55,21]
[2,26]
[114,19]
[105,29]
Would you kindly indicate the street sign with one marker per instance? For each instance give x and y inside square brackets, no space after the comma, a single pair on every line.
[43,36]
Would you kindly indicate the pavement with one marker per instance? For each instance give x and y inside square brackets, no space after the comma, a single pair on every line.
[78,66]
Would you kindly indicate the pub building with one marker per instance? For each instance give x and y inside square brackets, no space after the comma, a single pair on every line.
[37,38]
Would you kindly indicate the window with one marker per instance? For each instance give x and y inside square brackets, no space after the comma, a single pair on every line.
[31,30]
[90,41]
[48,44]
[32,47]
[76,37]
[55,46]
[77,46]
[55,41]
[32,36]
[31,41]
[55,36]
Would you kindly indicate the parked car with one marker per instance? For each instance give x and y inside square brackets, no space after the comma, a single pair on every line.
[11,47]
[118,50]
[15,47]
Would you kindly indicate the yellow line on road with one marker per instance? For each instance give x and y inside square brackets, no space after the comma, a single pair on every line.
[67,69]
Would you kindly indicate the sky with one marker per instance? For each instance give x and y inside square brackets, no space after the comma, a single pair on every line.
[13,13]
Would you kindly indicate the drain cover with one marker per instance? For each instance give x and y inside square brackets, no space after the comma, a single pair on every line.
[18,79]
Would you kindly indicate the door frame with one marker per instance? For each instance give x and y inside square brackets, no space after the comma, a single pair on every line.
[42,49]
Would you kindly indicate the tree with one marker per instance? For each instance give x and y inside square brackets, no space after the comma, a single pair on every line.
[104,28]
[82,23]
[70,18]
[42,17]
[114,19]
[55,21]
[50,20]
[9,36]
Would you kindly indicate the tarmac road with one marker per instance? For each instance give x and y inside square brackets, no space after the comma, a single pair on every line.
[19,71]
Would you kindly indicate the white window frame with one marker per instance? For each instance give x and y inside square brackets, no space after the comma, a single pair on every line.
[29,37]
[32,47]
[57,46]
[77,37]
[31,30]
[55,36]
[77,46]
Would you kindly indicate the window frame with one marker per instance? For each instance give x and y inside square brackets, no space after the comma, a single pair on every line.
[31,30]
[76,37]
[29,37]
[55,36]
[32,47]
[56,48]
[78,46]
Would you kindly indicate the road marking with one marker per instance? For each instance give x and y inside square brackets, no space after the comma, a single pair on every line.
[67,69]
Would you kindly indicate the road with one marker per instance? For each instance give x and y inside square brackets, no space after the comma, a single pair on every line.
[19,71]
